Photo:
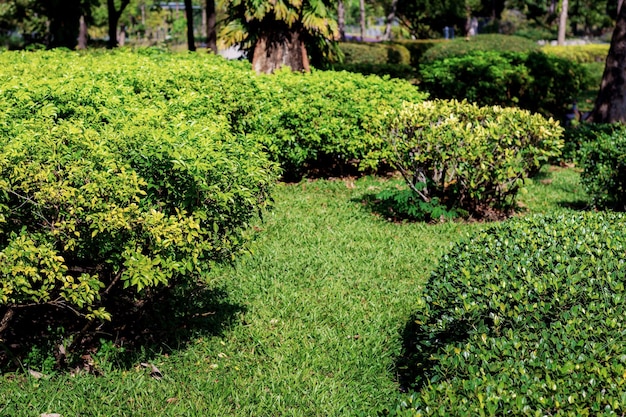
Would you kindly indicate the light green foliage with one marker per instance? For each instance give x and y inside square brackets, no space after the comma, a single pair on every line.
[106,175]
[525,318]
[325,118]
[470,157]
[603,160]
[593,52]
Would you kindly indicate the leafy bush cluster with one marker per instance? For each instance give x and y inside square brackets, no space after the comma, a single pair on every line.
[534,80]
[603,160]
[459,155]
[374,53]
[382,59]
[109,188]
[325,119]
[593,52]
[122,170]
[524,318]
[488,42]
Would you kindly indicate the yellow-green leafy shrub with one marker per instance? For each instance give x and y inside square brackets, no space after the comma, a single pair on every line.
[460,155]
[593,52]
[112,181]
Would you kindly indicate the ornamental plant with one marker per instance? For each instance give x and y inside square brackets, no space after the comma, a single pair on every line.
[523,318]
[462,156]
[112,187]
[603,161]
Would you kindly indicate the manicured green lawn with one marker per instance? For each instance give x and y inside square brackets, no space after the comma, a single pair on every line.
[308,325]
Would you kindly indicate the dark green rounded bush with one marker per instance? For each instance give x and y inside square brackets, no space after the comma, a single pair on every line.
[524,318]
[533,81]
[489,42]
[603,161]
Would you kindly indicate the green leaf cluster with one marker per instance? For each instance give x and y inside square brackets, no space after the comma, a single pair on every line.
[524,318]
[469,157]
[321,119]
[531,80]
[603,161]
[112,175]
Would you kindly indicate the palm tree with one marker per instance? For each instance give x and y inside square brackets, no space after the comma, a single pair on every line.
[281,32]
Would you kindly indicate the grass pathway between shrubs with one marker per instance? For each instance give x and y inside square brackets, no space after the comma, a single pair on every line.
[313,324]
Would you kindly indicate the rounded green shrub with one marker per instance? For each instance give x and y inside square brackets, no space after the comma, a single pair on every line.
[524,318]
[534,81]
[593,52]
[462,156]
[603,161]
[113,182]
[488,42]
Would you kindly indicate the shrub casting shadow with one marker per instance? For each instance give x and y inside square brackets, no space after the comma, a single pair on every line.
[138,332]
[414,366]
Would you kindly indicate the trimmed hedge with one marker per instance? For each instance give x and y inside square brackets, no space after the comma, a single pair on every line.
[462,156]
[110,189]
[374,53]
[488,42]
[524,318]
[603,160]
[534,81]
[122,171]
[581,54]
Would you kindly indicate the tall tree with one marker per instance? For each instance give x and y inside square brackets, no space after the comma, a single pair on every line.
[280,33]
[341,20]
[362,18]
[114,17]
[191,41]
[562,22]
[391,16]
[610,104]
[211,25]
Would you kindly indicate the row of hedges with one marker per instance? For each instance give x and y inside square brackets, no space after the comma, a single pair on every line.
[524,318]
[486,69]
[121,171]
[535,81]
[594,52]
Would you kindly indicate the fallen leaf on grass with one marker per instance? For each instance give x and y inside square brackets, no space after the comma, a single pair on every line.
[35,374]
[50,415]
[171,400]
[154,371]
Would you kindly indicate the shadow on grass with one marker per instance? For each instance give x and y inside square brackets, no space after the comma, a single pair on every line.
[381,208]
[415,365]
[47,339]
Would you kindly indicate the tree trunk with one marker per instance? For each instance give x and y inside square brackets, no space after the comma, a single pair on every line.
[276,49]
[114,18]
[619,5]
[64,17]
[390,18]
[191,41]
[211,26]
[610,104]
[82,33]
[341,20]
[562,22]
[362,18]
